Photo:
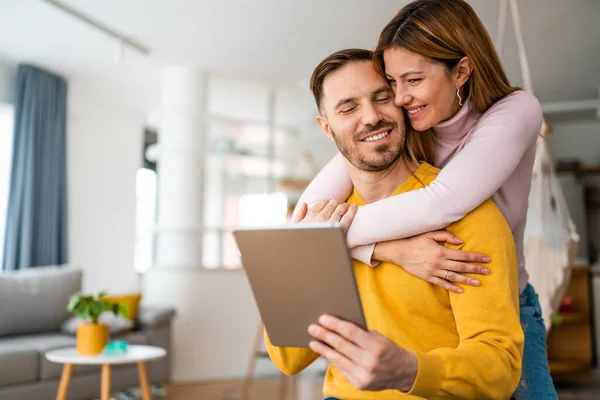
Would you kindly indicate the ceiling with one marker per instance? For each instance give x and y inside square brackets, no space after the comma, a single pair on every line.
[276,40]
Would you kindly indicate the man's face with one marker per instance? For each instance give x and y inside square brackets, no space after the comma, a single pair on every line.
[359,114]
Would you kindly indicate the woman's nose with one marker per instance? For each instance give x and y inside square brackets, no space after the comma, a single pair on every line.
[401,98]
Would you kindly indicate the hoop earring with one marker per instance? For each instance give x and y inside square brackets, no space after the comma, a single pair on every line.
[458,95]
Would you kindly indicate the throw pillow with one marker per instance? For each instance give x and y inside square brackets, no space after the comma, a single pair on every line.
[131,301]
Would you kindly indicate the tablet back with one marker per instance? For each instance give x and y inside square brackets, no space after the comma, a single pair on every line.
[299,272]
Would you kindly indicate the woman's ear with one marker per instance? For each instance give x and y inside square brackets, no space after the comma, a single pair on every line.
[462,71]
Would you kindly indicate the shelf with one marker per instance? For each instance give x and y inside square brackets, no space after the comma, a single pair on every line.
[570,343]
[245,165]
[593,204]
[580,170]
[567,367]
[293,184]
[572,318]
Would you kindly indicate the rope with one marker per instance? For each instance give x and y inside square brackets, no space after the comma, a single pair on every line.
[501,26]
[526,73]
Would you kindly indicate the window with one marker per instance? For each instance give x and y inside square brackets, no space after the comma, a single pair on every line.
[258,150]
[145,208]
[219,247]
[6,135]
[239,188]
[145,195]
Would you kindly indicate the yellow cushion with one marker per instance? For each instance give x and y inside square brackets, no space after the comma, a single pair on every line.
[130,300]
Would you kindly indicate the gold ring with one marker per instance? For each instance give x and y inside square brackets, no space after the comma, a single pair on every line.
[445,275]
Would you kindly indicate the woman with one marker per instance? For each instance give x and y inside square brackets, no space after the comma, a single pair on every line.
[446,74]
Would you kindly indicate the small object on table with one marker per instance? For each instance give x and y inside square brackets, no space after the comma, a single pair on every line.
[117,347]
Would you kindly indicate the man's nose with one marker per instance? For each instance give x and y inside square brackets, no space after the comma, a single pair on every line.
[371,115]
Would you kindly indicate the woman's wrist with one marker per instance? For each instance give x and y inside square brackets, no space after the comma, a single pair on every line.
[383,251]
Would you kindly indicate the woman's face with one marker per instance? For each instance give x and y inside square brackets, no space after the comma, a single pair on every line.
[425,88]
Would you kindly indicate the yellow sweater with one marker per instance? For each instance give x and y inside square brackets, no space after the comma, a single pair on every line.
[468,346]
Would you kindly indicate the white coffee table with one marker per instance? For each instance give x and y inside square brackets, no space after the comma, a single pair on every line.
[135,354]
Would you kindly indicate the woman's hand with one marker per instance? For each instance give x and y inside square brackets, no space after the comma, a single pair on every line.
[327,210]
[425,257]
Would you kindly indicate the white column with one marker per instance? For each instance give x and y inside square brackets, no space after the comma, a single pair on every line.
[180,169]
[175,277]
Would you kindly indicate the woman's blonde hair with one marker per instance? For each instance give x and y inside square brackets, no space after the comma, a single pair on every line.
[446,31]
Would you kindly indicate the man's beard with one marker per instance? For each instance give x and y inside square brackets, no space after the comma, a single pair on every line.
[385,156]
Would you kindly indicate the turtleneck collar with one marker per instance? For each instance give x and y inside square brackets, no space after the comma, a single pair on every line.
[459,125]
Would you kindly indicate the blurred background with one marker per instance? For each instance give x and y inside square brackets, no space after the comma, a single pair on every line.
[185,118]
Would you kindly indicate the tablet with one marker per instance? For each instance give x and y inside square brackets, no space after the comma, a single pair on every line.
[299,272]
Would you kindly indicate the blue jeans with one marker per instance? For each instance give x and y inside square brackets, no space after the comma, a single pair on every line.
[536,382]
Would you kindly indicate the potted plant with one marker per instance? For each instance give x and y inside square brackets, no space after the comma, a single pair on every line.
[92,336]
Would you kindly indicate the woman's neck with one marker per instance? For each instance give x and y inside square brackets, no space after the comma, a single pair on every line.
[458,125]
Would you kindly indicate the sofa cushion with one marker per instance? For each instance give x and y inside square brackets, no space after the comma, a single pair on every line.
[17,365]
[22,350]
[35,300]
[155,317]
[133,337]
[40,343]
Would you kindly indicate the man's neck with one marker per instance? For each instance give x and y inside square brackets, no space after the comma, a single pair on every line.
[373,186]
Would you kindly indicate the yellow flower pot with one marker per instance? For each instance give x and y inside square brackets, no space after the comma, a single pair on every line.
[91,338]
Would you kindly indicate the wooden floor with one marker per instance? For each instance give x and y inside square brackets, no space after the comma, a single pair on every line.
[262,389]
[305,389]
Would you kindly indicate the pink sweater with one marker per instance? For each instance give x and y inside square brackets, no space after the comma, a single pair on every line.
[481,156]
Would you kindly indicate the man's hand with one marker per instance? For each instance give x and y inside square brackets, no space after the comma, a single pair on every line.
[327,210]
[368,360]
[425,257]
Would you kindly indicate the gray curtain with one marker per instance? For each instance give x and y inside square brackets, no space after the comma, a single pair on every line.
[36,222]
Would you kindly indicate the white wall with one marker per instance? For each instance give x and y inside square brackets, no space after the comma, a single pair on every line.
[577,136]
[296,107]
[104,152]
[7,72]
[574,137]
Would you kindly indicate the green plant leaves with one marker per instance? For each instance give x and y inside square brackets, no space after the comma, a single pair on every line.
[123,310]
[89,308]
[73,302]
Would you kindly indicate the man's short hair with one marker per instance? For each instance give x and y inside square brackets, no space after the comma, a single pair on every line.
[332,63]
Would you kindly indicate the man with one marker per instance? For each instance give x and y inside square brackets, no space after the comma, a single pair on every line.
[424,341]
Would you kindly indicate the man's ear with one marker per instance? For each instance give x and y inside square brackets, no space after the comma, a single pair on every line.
[462,71]
[322,121]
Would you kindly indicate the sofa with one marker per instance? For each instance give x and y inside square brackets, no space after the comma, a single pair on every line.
[33,317]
